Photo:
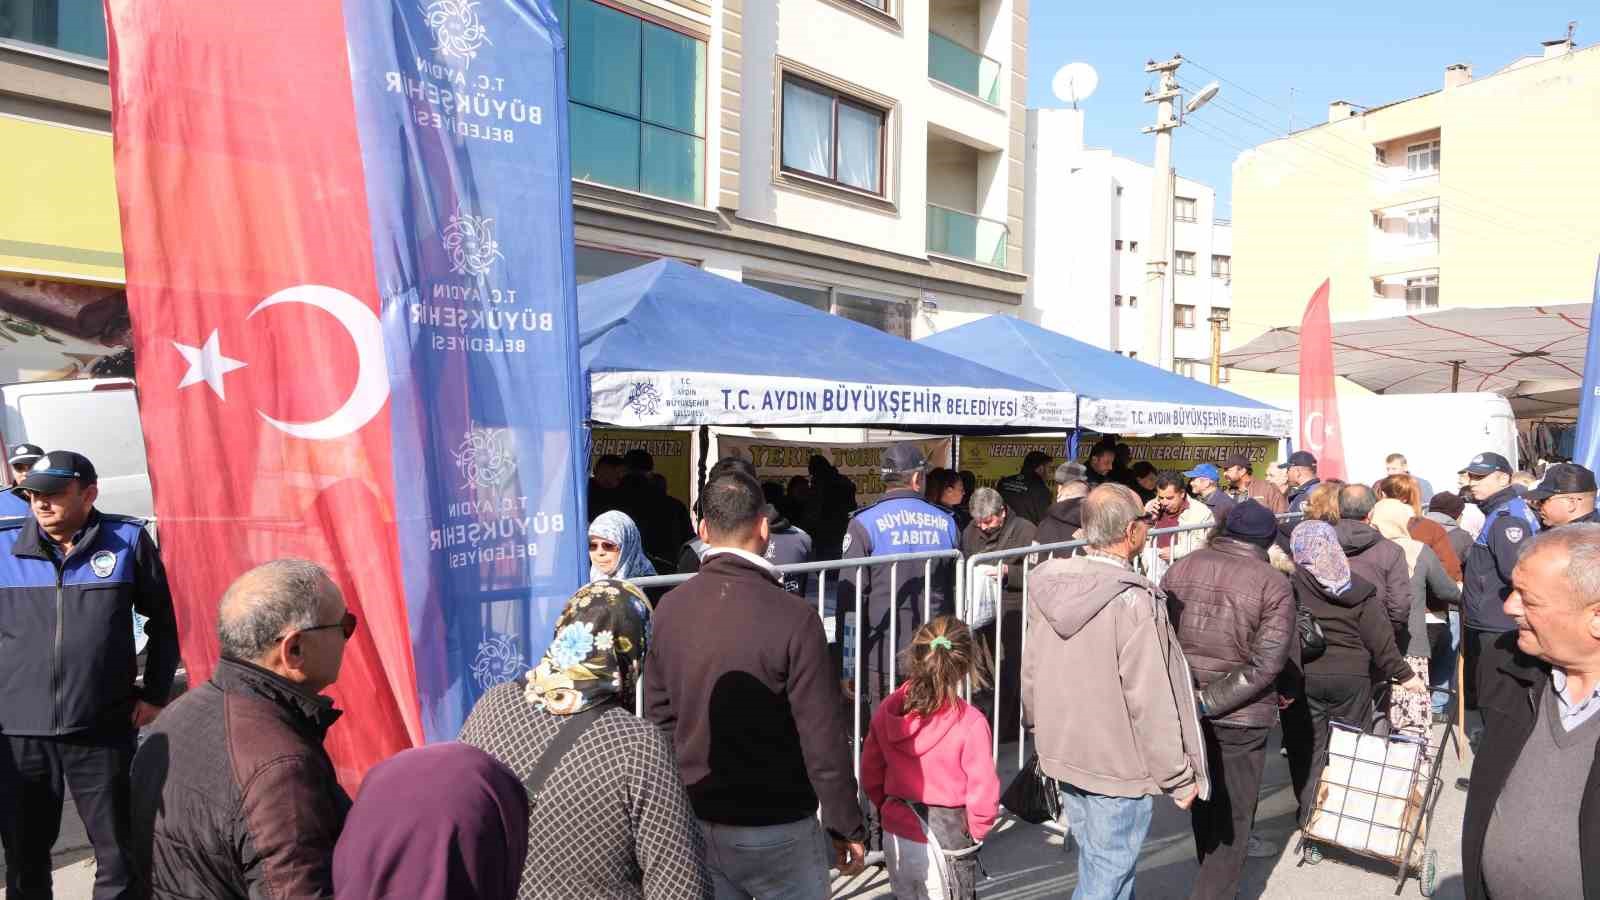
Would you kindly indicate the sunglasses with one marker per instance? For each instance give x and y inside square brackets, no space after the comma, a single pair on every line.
[604,546]
[347,624]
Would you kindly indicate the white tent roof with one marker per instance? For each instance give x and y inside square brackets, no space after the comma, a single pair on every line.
[1531,354]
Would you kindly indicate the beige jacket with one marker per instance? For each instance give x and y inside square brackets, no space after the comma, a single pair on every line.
[1105,684]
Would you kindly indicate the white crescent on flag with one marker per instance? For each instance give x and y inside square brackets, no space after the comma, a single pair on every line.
[372,371]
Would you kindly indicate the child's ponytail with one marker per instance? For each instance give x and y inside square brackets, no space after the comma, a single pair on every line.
[941,657]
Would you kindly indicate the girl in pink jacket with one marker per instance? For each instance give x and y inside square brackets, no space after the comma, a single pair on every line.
[927,769]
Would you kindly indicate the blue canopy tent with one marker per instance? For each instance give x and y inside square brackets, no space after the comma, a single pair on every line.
[1115,394]
[667,344]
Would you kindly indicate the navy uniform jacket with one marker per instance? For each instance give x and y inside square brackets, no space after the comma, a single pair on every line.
[12,506]
[67,661]
[900,522]
[1486,574]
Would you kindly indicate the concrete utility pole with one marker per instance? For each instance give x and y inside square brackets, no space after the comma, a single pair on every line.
[1217,320]
[1158,282]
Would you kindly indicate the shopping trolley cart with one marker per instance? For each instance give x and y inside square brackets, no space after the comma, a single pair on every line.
[1376,797]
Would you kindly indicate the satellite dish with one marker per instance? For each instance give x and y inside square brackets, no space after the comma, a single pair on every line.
[1074,82]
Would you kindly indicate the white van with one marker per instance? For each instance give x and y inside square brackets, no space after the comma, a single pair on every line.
[1437,433]
[98,417]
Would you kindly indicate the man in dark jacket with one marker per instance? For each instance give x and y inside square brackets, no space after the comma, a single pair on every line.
[900,522]
[1302,474]
[1532,826]
[1374,557]
[994,527]
[1565,497]
[1489,639]
[1235,617]
[71,579]
[786,546]
[828,510]
[1444,638]
[1027,492]
[1063,520]
[1102,460]
[233,793]
[1204,484]
[739,676]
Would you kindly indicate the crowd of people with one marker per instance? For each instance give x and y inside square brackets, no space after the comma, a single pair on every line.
[739,780]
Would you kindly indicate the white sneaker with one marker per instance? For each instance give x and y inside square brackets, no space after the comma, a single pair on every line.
[1259,849]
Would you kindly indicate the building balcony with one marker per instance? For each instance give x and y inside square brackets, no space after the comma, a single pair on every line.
[965,235]
[954,65]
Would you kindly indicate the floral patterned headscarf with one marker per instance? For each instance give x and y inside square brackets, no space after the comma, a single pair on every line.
[615,526]
[1316,549]
[598,648]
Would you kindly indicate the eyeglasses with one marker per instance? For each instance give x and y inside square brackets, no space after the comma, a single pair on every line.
[1146,519]
[347,624]
[604,546]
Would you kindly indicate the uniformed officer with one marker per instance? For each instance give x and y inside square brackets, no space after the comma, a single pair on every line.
[900,522]
[71,578]
[1565,497]
[1490,640]
[23,456]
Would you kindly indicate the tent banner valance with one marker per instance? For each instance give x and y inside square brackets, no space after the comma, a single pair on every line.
[1150,417]
[659,399]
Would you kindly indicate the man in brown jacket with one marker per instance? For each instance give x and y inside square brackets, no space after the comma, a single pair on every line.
[1109,694]
[233,794]
[1235,619]
[1246,487]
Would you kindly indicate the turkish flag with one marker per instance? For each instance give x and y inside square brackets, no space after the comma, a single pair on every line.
[1319,404]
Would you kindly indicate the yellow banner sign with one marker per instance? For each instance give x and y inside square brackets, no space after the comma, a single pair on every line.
[993,458]
[670,449]
[781,460]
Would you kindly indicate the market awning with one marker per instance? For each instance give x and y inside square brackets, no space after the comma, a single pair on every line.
[668,344]
[1531,354]
[1116,394]
[59,220]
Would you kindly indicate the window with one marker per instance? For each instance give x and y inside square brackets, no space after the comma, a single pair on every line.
[830,136]
[1133,245]
[891,316]
[1221,267]
[1423,224]
[1183,209]
[73,26]
[1184,367]
[591,263]
[1225,314]
[1380,156]
[1185,262]
[879,5]
[1422,159]
[1182,315]
[1422,293]
[1116,299]
[1117,244]
[638,103]
[1133,302]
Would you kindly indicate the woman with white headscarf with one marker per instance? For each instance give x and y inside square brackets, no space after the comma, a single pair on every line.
[616,550]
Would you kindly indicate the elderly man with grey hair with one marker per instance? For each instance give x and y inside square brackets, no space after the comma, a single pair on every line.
[995,527]
[1532,827]
[233,793]
[1129,727]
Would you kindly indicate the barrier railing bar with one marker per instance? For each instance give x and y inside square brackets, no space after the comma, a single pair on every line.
[894,608]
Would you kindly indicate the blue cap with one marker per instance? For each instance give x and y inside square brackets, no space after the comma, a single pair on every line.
[1204,470]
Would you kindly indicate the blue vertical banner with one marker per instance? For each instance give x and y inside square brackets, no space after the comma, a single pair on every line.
[461,116]
[1586,450]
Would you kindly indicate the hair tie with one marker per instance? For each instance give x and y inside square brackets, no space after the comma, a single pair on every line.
[941,643]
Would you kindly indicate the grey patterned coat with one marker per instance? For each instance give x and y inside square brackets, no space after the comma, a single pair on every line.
[613,821]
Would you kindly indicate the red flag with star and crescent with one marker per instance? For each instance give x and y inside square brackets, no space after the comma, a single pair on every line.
[1319,403]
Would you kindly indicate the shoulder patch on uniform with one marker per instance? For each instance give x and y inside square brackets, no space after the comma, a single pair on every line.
[103,563]
[1514,533]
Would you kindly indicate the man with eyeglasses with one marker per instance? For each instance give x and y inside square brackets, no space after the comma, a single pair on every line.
[71,578]
[233,793]
[1565,497]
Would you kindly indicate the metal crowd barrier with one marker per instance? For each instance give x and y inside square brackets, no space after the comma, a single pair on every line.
[1031,557]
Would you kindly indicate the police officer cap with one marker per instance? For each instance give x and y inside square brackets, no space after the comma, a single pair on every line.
[902,458]
[1563,478]
[1302,458]
[57,469]
[1484,463]
[25,454]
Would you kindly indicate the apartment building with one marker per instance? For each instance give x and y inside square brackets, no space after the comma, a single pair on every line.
[1480,193]
[860,156]
[1087,221]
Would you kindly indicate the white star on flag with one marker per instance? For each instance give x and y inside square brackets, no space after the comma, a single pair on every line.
[206,363]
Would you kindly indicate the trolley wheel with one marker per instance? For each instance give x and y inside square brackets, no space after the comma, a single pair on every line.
[1312,854]
[1429,876]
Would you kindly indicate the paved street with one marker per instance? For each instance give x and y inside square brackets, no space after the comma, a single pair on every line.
[1027,863]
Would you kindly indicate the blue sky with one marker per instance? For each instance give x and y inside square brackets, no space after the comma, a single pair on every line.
[1364,52]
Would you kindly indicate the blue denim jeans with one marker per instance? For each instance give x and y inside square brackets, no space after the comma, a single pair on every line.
[1442,663]
[1110,831]
[776,862]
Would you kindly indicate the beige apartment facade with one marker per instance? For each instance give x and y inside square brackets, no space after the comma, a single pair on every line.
[1479,194]
[860,156]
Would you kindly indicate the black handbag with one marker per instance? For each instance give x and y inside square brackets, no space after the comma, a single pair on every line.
[1033,796]
[1313,643]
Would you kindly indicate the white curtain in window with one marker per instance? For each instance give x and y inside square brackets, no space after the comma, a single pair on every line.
[860,140]
[807,129]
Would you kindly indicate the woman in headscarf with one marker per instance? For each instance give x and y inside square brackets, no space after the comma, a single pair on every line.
[446,822]
[1338,684]
[611,819]
[1431,586]
[616,550]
